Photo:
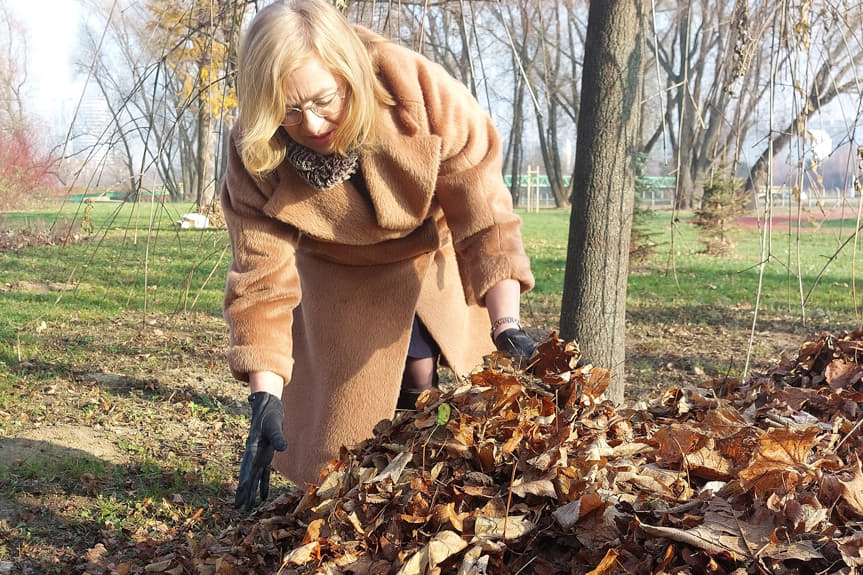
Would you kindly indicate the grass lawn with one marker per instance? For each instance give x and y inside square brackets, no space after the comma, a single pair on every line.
[112,356]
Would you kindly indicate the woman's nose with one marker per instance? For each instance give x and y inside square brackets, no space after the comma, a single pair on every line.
[311,121]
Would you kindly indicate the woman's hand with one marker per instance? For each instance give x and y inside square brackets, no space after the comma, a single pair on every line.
[503,302]
[265,437]
[517,344]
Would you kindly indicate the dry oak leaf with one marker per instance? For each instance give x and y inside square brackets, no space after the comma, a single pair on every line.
[569,514]
[707,463]
[608,564]
[721,532]
[596,382]
[675,442]
[833,487]
[507,528]
[556,357]
[850,548]
[599,530]
[780,461]
[795,551]
[803,511]
[304,553]
[664,483]
[841,374]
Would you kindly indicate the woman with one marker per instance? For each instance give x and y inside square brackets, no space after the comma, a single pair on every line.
[371,231]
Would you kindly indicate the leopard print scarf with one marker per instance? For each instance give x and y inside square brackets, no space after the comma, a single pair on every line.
[322,172]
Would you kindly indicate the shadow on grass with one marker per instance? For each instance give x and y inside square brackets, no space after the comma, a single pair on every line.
[70,510]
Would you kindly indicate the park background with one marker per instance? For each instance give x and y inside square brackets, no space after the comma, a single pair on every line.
[742,240]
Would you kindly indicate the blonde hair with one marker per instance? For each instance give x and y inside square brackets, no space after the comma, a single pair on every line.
[282,37]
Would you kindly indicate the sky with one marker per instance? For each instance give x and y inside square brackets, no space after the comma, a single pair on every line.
[51,32]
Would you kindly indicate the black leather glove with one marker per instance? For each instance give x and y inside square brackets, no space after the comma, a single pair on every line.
[516,343]
[265,437]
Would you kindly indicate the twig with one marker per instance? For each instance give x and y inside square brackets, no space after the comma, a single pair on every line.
[847,435]
[682,537]
[509,498]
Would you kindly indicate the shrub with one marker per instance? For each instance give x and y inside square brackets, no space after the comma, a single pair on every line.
[721,204]
[25,171]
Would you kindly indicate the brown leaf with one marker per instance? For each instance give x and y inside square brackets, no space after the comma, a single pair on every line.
[851,548]
[569,514]
[653,480]
[513,442]
[708,463]
[607,565]
[442,514]
[849,488]
[780,461]
[554,356]
[540,487]
[595,382]
[304,554]
[507,528]
[474,562]
[88,484]
[444,545]
[95,554]
[723,421]
[803,551]
[675,443]
[724,527]
[394,470]
[841,374]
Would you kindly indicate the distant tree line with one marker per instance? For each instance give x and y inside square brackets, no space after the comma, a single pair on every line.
[727,86]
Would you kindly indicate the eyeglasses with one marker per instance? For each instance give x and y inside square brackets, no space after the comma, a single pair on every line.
[324,107]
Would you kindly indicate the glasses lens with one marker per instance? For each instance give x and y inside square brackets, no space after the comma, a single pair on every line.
[322,108]
[293,117]
[329,106]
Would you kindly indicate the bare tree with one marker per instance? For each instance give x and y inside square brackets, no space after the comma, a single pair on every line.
[546,40]
[821,63]
[703,50]
[165,76]
[13,69]
[593,308]
[718,63]
[521,57]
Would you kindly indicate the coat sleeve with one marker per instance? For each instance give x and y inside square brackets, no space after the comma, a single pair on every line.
[263,286]
[470,188]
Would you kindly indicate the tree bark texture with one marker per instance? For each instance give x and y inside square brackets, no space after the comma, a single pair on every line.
[593,310]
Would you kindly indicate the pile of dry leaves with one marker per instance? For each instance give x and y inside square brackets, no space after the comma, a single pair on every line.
[38,233]
[516,473]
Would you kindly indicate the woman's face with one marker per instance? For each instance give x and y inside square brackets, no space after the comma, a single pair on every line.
[311,90]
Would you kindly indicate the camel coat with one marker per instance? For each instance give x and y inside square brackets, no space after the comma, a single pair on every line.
[324,284]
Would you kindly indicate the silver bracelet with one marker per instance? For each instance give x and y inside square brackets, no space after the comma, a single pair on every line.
[502,320]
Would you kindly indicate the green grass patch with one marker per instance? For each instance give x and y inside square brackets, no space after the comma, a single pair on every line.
[166,271]
[811,273]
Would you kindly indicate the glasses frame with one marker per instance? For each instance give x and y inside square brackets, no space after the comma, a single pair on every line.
[313,108]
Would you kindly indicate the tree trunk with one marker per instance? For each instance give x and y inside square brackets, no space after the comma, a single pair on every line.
[515,150]
[205,158]
[593,310]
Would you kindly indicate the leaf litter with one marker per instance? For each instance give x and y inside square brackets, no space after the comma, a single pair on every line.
[512,472]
